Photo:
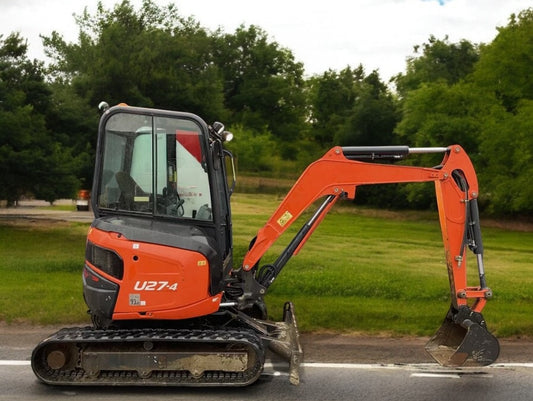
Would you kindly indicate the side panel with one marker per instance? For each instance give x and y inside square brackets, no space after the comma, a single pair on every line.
[159,282]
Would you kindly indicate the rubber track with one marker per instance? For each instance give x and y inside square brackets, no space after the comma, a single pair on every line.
[81,337]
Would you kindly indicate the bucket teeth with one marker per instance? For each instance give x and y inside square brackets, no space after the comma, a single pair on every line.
[463,340]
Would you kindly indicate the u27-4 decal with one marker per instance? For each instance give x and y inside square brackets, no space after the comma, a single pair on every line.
[155,286]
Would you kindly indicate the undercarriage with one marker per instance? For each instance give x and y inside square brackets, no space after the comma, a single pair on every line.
[226,354]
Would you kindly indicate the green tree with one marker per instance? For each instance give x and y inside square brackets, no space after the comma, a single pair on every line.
[73,123]
[151,57]
[254,151]
[438,114]
[438,107]
[503,76]
[505,67]
[349,108]
[263,84]
[508,163]
[331,99]
[30,160]
[373,116]
[439,60]
[486,107]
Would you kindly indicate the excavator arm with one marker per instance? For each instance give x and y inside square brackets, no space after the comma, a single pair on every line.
[463,337]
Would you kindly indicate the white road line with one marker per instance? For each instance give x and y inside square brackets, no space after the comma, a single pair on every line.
[439,375]
[434,367]
[14,363]
[368,365]
[512,365]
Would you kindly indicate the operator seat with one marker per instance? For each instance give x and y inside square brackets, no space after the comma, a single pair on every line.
[128,190]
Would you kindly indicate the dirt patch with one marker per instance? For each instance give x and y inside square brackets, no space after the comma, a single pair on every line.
[37,217]
[523,225]
[34,222]
[367,349]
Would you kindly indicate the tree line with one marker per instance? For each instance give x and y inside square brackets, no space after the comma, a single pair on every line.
[476,95]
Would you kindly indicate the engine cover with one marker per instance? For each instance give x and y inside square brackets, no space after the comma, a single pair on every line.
[144,279]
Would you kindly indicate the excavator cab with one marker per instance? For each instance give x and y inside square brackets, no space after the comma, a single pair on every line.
[161,205]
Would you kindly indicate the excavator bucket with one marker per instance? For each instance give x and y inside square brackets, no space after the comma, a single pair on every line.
[463,340]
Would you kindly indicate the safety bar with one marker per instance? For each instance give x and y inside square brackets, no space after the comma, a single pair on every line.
[385,152]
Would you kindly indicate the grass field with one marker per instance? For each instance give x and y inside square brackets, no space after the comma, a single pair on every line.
[40,266]
[363,270]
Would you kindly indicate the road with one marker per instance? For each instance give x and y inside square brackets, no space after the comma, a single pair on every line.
[30,210]
[319,382]
[336,367]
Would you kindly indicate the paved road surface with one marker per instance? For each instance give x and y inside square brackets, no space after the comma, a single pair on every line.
[319,382]
[34,210]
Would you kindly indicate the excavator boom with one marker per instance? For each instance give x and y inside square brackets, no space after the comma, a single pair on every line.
[463,338]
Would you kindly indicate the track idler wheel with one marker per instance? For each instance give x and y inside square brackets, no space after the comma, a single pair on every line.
[463,340]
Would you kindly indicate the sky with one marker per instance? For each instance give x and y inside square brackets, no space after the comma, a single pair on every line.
[326,34]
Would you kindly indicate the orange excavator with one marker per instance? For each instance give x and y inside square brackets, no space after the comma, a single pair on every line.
[168,305]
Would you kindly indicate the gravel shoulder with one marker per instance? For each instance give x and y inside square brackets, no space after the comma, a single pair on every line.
[17,342]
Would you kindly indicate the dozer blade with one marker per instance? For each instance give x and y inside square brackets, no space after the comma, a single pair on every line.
[287,342]
[463,340]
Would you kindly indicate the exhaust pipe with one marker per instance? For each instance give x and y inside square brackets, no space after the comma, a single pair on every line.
[463,340]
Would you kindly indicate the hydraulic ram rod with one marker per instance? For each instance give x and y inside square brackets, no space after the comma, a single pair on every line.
[267,274]
[386,152]
[428,150]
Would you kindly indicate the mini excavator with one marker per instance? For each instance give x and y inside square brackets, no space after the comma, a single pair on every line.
[167,304]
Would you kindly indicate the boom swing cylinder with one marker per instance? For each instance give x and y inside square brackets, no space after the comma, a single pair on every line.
[463,338]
